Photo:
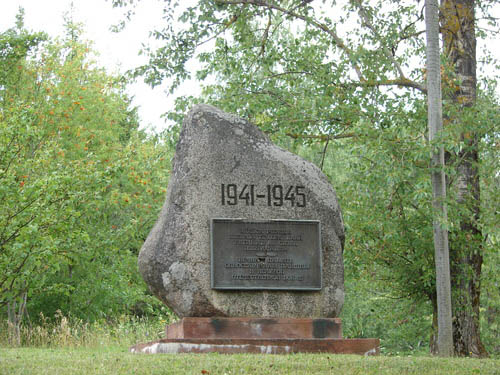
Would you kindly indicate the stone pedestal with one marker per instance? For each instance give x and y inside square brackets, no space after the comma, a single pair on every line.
[255,335]
[254,328]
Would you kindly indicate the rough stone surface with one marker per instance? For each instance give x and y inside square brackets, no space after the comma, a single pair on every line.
[217,148]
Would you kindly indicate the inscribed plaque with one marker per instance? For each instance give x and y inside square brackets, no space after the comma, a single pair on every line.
[274,254]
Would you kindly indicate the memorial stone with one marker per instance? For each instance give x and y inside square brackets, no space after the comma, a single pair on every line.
[247,229]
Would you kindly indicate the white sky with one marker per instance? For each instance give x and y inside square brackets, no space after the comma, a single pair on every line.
[118,52]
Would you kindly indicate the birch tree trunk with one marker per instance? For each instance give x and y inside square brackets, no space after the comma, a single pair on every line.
[435,123]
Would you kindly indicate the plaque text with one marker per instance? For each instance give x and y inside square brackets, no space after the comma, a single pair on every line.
[276,254]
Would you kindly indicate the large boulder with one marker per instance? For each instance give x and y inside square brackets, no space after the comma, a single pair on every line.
[217,148]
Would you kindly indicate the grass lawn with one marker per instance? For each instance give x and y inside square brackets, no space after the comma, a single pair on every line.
[117,360]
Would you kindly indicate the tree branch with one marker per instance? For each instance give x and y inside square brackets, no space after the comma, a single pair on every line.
[288,73]
[401,82]
[265,36]
[14,272]
[15,234]
[320,137]
[366,19]
[324,152]
[338,41]
[269,92]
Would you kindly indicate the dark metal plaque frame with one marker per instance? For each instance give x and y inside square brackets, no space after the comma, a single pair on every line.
[265,255]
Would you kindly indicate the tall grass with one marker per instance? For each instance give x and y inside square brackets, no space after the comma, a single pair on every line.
[65,332]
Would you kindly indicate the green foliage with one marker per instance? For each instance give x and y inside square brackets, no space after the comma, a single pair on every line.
[388,210]
[490,301]
[487,115]
[378,302]
[299,70]
[402,325]
[80,185]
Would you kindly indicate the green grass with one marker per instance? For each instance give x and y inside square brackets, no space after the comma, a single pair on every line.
[71,346]
[117,360]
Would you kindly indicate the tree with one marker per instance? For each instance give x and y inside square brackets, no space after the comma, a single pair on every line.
[79,183]
[435,121]
[299,69]
[467,239]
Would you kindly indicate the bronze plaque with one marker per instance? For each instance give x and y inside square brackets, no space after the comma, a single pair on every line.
[274,254]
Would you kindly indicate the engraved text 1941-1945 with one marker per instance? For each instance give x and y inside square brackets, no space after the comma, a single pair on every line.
[271,195]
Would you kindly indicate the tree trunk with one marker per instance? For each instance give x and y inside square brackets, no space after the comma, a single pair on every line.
[458,23]
[433,346]
[435,123]
[15,316]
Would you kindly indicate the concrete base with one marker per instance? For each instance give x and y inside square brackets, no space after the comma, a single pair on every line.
[252,335]
[268,346]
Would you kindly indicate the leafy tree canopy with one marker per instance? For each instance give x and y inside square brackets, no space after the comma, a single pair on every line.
[80,184]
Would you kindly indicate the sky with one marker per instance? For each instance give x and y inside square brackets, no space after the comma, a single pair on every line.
[118,52]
